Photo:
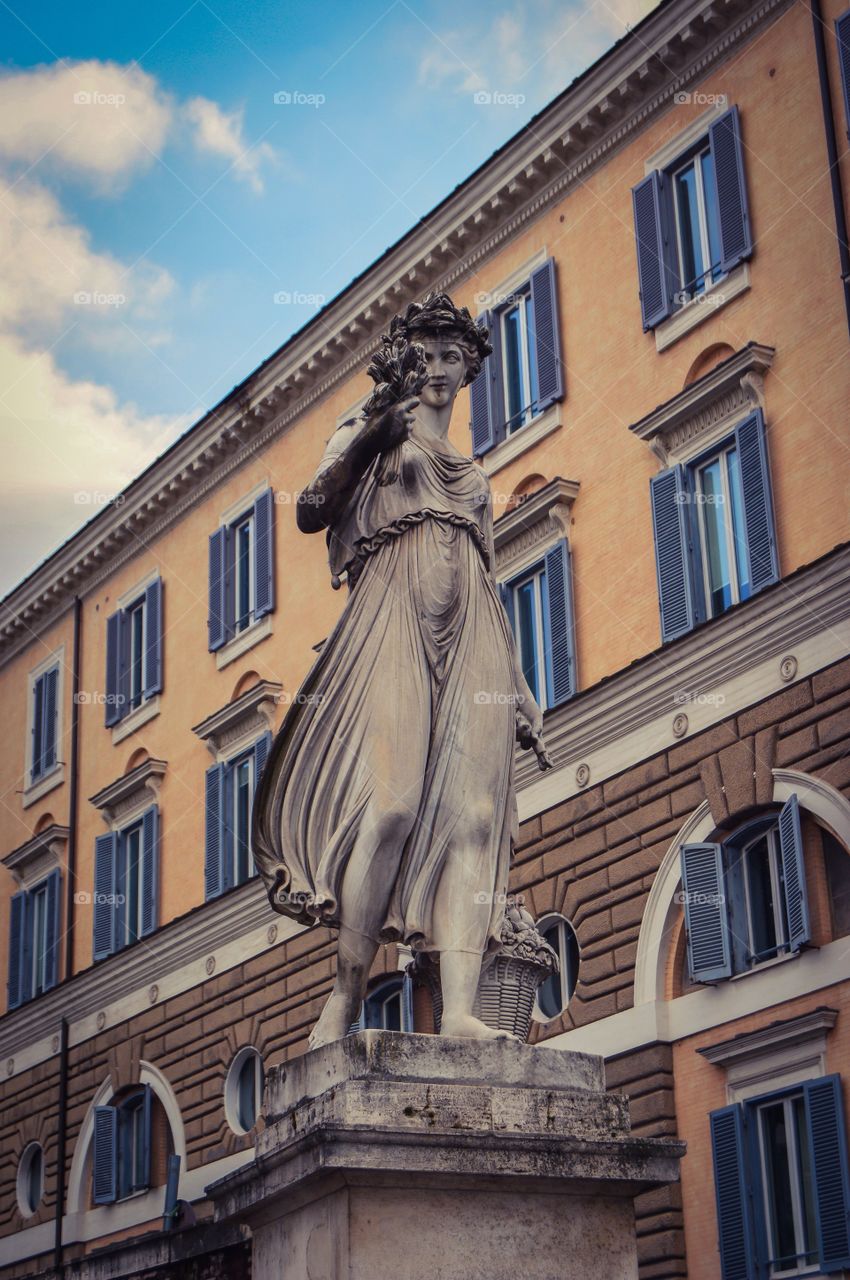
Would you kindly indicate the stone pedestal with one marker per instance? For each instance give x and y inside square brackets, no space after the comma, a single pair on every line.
[389,1155]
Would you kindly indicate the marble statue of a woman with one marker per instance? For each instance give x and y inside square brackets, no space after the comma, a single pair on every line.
[387,808]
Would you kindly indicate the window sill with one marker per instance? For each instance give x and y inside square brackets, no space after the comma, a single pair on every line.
[141,715]
[522,440]
[243,642]
[44,785]
[701,307]
[767,964]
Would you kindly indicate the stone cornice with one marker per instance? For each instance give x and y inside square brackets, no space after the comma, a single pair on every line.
[810,602]
[139,786]
[733,387]
[672,47]
[253,709]
[180,942]
[535,522]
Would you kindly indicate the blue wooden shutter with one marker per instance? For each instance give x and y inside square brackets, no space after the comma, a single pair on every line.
[105,1155]
[147,1107]
[149,880]
[842,37]
[794,873]
[673,563]
[51,942]
[544,307]
[734,1220]
[736,242]
[48,748]
[219,622]
[706,912]
[560,637]
[483,411]
[114,703]
[153,639]
[506,595]
[751,443]
[17,930]
[214,878]
[654,277]
[105,858]
[825,1119]
[264,554]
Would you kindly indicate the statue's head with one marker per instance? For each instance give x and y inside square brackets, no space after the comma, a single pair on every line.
[437,322]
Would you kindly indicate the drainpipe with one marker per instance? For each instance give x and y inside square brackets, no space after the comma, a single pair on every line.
[70,884]
[832,154]
[58,1262]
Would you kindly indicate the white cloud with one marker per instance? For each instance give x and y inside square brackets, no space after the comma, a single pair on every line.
[48,262]
[97,119]
[221,133]
[535,48]
[71,446]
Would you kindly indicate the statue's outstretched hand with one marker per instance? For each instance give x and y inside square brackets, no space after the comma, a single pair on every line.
[529,735]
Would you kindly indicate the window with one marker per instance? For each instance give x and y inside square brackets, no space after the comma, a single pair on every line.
[134,653]
[126,872]
[539,606]
[715,543]
[691,221]
[229,791]
[121,1162]
[34,940]
[745,900]
[389,1007]
[241,571]
[30,1179]
[837,863]
[243,1090]
[524,375]
[780,1173]
[555,993]
[44,713]
[842,39]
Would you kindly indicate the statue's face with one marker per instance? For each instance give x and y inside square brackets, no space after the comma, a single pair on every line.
[446,369]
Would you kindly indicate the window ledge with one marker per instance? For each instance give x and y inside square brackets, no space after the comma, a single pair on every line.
[141,715]
[44,785]
[701,307]
[766,964]
[243,642]
[522,440]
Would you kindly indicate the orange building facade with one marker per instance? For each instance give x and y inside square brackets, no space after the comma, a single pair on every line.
[664,423]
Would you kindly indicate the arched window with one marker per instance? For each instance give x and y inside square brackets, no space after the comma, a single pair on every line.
[121,1163]
[555,993]
[745,900]
[388,1007]
[30,1180]
[243,1090]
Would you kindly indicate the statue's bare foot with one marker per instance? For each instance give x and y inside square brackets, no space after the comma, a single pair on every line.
[334,1021]
[472,1028]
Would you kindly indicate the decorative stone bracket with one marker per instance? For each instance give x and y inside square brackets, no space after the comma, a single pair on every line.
[249,715]
[134,790]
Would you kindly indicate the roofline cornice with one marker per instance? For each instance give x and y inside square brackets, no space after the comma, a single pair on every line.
[603,110]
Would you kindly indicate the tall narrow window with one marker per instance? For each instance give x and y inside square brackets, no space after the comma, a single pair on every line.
[519,362]
[787,1185]
[136,656]
[242,784]
[697,230]
[723,537]
[134,653]
[229,796]
[241,571]
[243,534]
[529,597]
[44,712]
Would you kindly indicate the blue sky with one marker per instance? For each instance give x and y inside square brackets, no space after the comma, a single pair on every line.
[155,197]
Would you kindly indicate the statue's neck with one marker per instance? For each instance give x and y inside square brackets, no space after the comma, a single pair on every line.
[435,421]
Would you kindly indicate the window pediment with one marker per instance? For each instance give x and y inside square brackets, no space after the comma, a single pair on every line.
[533,525]
[132,791]
[708,408]
[31,862]
[243,719]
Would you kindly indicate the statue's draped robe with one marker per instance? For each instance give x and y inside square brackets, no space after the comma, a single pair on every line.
[418,669]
